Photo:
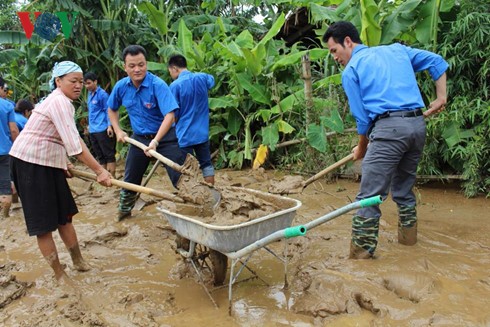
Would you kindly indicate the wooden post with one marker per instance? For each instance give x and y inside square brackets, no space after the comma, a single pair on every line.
[305,61]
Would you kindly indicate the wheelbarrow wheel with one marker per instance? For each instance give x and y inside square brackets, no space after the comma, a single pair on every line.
[216,261]
[219,263]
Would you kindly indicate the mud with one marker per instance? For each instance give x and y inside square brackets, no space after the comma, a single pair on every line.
[236,206]
[192,188]
[137,279]
[287,185]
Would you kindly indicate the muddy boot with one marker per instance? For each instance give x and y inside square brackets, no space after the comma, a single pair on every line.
[76,256]
[54,263]
[407,225]
[407,235]
[5,203]
[121,215]
[127,201]
[358,253]
[364,237]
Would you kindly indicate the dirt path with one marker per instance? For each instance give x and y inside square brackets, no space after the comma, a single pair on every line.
[138,280]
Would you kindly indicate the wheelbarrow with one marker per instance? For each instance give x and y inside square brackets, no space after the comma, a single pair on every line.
[238,242]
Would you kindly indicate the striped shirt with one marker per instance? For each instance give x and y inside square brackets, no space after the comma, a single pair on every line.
[50,133]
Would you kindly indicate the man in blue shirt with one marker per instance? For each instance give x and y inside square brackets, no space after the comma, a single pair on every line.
[8,134]
[191,92]
[100,130]
[23,110]
[386,102]
[4,90]
[150,106]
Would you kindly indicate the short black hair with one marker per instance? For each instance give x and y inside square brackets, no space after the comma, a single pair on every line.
[2,82]
[89,76]
[133,50]
[23,105]
[177,60]
[340,30]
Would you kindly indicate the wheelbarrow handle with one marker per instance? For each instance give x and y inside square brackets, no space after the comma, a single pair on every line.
[130,186]
[155,154]
[301,230]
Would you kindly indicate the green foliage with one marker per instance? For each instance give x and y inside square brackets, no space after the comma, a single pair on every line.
[259,94]
[8,16]
[458,140]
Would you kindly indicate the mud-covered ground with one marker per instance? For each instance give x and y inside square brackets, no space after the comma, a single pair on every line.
[137,279]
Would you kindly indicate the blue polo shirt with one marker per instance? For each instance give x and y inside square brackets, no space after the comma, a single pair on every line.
[146,105]
[98,119]
[382,78]
[191,92]
[20,120]
[7,115]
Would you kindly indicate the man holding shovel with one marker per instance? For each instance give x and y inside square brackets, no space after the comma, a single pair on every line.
[386,102]
[191,92]
[150,106]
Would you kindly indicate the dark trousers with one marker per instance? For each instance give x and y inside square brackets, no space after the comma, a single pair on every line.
[137,162]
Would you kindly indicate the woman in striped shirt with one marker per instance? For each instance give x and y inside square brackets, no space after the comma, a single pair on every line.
[40,165]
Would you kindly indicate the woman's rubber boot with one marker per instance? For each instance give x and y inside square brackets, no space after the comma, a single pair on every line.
[364,237]
[76,256]
[54,263]
[407,225]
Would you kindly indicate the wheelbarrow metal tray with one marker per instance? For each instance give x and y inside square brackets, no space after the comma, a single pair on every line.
[231,238]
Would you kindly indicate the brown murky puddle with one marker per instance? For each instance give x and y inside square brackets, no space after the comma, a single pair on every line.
[136,278]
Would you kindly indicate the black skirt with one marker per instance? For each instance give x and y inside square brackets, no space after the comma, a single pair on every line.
[46,197]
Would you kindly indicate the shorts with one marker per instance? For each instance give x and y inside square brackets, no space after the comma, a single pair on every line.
[104,147]
[46,197]
[5,186]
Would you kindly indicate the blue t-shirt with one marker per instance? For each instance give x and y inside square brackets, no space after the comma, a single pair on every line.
[20,120]
[191,92]
[7,115]
[146,105]
[382,78]
[98,119]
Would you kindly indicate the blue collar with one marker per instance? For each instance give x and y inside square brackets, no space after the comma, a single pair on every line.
[146,81]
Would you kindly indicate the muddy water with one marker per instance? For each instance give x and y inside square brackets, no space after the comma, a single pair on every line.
[138,280]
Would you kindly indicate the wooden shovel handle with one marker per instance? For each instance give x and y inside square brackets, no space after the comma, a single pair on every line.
[155,154]
[330,168]
[130,186]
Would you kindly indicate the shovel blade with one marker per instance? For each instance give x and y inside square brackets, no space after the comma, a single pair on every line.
[216,197]
[140,204]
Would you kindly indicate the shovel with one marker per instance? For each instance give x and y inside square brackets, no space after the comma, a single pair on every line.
[189,189]
[297,186]
[140,203]
[130,186]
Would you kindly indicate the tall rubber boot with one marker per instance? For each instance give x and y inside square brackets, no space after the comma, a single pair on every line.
[407,225]
[358,252]
[55,264]
[364,237]
[76,256]
[127,200]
